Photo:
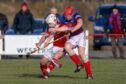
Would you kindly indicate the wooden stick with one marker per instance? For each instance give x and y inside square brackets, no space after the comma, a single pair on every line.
[37,49]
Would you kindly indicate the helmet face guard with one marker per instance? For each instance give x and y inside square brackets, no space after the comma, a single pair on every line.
[51,19]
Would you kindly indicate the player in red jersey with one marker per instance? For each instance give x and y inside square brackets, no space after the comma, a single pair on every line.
[73,23]
[54,53]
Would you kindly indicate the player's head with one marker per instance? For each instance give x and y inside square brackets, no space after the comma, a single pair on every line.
[115,9]
[51,20]
[68,12]
[24,6]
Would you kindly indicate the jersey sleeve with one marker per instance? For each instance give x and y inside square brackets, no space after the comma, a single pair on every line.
[48,33]
[77,16]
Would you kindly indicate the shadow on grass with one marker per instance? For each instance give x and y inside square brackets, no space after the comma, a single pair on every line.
[30,75]
[50,76]
[65,76]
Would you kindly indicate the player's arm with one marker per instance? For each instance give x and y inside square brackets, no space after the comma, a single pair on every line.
[43,38]
[78,26]
[66,28]
[63,29]
[60,29]
[46,43]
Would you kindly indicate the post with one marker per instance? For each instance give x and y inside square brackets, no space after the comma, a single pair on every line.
[87,44]
[1,45]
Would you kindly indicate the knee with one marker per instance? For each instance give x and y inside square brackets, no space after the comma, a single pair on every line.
[84,57]
[59,55]
[42,62]
[68,47]
[81,50]
[82,54]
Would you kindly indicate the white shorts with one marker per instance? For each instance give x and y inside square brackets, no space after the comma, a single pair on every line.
[49,53]
[78,40]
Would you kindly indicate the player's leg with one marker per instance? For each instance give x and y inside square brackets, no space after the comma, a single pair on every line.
[86,62]
[43,66]
[81,50]
[120,46]
[57,56]
[73,56]
[48,53]
[114,47]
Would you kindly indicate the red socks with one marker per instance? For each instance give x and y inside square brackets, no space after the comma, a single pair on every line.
[51,66]
[42,67]
[88,68]
[75,59]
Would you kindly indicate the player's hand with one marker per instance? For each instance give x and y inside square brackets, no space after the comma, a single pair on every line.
[70,29]
[37,45]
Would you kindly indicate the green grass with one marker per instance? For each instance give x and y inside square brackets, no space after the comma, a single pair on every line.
[105,71]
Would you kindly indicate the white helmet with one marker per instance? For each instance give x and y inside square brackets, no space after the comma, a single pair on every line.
[51,18]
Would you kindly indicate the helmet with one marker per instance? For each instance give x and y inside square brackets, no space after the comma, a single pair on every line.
[68,11]
[51,18]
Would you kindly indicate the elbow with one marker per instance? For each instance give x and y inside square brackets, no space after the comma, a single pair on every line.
[81,24]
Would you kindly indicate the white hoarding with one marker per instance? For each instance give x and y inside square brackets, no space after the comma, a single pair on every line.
[21,44]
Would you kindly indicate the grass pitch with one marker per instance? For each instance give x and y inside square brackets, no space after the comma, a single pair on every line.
[105,71]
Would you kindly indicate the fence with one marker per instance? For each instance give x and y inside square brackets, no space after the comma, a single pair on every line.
[22,44]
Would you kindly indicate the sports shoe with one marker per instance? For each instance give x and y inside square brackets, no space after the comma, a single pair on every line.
[45,74]
[79,67]
[45,77]
[89,77]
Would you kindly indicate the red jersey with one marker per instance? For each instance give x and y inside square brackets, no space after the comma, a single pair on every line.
[60,42]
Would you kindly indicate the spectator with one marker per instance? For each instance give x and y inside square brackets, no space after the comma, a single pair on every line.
[116,28]
[3,23]
[53,10]
[23,21]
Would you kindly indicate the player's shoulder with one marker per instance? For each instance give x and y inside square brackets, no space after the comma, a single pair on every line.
[76,15]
